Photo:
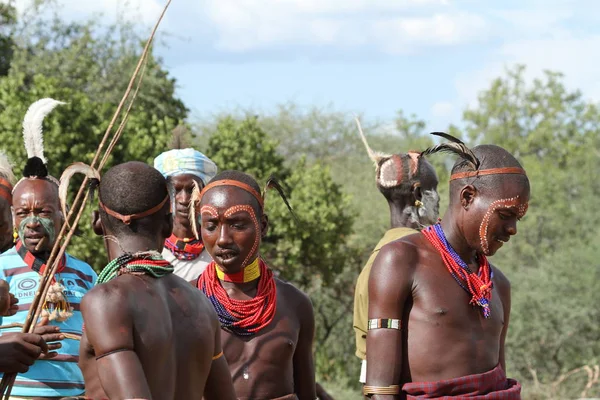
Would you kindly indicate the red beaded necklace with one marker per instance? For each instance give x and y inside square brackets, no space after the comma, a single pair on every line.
[479,285]
[241,317]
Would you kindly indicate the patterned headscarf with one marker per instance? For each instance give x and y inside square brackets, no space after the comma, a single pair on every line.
[186,161]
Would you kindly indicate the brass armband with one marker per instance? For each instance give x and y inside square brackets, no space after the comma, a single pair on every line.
[218,356]
[373,390]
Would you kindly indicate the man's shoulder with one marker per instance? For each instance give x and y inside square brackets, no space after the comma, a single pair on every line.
[394,234]
[500,280]
[292,294]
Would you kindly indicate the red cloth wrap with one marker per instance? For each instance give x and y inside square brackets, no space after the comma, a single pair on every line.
[491,385]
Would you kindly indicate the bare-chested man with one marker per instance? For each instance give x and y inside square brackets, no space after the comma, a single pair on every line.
[148,334]
[438,312]
[267,325]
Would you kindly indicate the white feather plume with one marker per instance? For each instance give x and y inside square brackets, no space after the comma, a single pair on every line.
[6,169]
[32,126]
[375,156]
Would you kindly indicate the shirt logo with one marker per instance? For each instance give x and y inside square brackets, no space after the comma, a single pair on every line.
[27,284]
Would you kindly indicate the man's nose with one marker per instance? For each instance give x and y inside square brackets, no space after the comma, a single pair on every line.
[224,238]
[33,223]
[511,229]
[183,197]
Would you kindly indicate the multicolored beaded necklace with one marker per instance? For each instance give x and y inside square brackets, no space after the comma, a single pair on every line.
[184,249]
[35,263]
[143,263]
[479,285]
[241,317]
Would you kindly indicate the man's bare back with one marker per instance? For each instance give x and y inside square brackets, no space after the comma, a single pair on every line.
[148,334]
[445,336]
[263,367]
[170,326]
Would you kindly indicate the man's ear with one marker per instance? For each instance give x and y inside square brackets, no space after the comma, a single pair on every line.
[264,225]
[97,223]
[416,191]
[467,196]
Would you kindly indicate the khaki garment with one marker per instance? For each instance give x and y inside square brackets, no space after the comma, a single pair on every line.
[361,293]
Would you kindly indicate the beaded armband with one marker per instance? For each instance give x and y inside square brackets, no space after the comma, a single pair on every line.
[383,323]
[373,390]
[218,356]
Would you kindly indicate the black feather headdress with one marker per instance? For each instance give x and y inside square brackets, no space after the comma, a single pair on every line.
[456,146]
[273,183]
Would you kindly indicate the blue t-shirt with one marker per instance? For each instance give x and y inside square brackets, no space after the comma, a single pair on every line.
[60,376]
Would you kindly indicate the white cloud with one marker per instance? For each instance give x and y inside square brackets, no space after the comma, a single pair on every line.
[389,25]
[399,35]
[442,109]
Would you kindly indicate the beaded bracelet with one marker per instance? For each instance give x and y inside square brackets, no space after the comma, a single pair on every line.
[383,323]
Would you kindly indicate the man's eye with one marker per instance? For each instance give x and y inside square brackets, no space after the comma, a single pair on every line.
[209,226]
[238,226]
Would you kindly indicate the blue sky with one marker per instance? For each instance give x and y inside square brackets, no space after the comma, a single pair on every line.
[428,57]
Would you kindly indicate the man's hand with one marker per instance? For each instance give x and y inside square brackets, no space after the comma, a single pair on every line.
[8,302]
[51,335]
[18,351]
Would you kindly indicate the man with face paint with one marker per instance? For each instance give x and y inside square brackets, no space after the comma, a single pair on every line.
[438,311]
[148,333]
[185,168]
[409,184]
[38,219]
[267,325]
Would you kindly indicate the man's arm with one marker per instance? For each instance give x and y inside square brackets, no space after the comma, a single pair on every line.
[304,367]
[390,284]
[219,384]
[504,291]
[109,330]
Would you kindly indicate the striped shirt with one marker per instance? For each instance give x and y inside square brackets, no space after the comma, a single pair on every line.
[59,377]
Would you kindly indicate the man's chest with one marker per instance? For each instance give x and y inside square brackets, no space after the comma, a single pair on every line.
[275,344]
[439,300]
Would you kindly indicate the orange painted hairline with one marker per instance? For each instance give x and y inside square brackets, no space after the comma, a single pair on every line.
[229,182]
[491,171]
[126,219]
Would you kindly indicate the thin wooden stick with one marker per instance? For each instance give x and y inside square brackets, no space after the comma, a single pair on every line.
[58,250]
[13,325]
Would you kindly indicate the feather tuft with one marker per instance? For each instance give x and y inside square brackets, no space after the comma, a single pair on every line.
[273,183]
[35,166]
[456,146]
[375,156]
[32,126]
[65,178]
[194,202]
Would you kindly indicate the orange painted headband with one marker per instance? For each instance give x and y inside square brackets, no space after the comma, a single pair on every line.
[241,185]
[491,171]
[126,219]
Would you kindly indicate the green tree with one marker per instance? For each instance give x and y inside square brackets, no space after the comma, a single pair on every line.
[88,66]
